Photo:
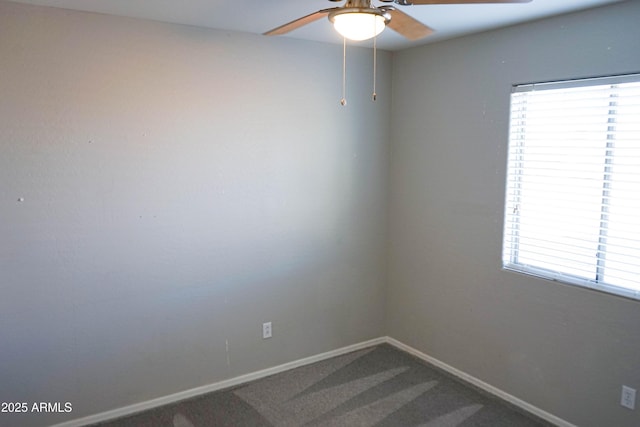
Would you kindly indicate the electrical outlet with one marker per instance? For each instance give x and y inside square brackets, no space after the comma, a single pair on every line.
[266,330]
[628,399]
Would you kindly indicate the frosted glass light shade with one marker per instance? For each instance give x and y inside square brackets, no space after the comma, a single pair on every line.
[358,26]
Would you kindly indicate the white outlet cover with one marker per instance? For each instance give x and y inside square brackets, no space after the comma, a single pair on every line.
[628,399]
[266,330]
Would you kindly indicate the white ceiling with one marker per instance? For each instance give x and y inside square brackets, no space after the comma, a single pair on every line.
[258,16]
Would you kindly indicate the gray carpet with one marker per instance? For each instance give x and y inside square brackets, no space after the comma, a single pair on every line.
[379,386]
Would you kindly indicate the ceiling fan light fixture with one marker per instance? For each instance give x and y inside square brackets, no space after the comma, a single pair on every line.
[359,23]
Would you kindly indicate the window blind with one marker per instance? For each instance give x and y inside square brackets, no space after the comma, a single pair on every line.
[572,208]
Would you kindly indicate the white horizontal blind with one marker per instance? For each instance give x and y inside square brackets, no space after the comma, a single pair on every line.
[572,210]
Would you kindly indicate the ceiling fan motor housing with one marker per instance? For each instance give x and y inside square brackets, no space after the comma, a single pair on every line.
[358,3]
[360,6]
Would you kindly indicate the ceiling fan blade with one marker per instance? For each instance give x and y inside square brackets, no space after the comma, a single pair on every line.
[290,26]
[407,26]
[464,1]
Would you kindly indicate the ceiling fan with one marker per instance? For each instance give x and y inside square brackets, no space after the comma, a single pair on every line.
[359,20]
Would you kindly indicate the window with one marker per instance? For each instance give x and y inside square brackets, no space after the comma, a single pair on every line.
[572,209]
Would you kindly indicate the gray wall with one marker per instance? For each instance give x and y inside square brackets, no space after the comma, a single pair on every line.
[564,349]
[181,186]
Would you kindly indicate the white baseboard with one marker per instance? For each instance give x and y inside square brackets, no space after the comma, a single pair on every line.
[194,392]
[481,384]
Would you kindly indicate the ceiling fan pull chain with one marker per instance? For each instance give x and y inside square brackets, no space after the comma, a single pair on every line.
[374,95]
[343,101]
